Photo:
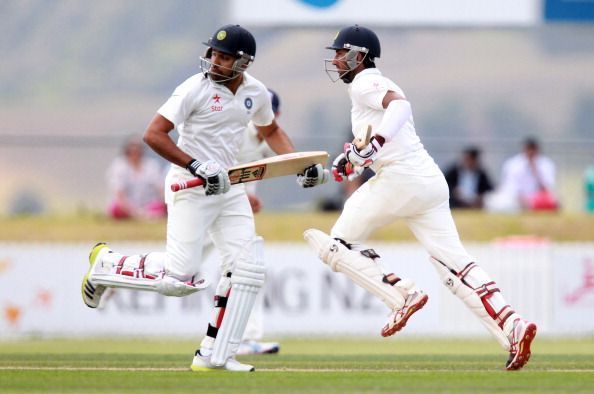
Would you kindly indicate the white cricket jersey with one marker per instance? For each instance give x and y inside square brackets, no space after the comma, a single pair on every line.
[211,120]
[405,153]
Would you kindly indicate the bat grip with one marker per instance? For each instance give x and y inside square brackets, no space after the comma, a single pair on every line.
[175,187]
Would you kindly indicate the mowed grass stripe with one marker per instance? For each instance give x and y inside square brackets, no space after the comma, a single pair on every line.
[306,370]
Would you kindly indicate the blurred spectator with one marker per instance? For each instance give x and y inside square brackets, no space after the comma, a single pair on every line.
[255,148]
[589,188]
[467,180]
[527,182]
[26,202]
[135,184]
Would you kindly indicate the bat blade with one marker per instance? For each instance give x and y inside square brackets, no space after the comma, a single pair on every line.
[281,165]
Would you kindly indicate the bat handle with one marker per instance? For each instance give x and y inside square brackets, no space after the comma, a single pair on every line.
[175,187]
[361,143]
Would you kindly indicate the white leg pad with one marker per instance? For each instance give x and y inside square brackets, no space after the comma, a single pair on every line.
[165,285]
[364,271]
[471,299]
[246,280]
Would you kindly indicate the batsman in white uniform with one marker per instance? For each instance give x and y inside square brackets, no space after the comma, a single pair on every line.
[253,148]
[408,185]
[213,109]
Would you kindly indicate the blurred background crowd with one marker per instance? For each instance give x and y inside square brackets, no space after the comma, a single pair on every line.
[504,101]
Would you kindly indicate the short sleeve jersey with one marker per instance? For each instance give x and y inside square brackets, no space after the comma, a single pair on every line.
[211,120]
[405,153]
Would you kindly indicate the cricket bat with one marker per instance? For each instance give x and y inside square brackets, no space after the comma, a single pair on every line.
[362,141]
[281,165]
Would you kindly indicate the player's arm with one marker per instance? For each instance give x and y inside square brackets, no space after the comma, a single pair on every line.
[280,143]
[157,137]
[397,112]
[276,138]
[216,180]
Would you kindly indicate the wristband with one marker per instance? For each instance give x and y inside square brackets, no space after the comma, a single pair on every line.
[192,166]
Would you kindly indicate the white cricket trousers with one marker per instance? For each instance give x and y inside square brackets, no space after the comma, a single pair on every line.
[192,215]
[423,202]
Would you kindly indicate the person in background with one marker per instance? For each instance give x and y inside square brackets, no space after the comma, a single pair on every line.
[467,180]
[254,147]
[135,184]
[527,182]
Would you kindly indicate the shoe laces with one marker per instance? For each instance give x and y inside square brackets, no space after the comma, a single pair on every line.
[514,337]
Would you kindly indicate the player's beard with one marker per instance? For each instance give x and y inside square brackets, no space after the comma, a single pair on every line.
[347,77]
[219,76]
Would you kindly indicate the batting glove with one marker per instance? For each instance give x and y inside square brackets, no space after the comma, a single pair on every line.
[342,168]
[216,180]
[364,157]
[312,176]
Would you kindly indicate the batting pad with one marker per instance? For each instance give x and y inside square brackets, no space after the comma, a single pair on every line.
[246,280]
[364,271]
[166,285]
[471,299]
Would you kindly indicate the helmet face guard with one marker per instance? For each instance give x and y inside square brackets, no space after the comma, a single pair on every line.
[239,66]
[334,73]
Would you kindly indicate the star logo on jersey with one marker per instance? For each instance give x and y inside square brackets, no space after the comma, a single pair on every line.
[216,105]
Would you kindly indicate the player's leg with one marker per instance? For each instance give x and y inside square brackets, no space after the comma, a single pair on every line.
[254,331]
[173,273]
[242,276]
[370,207]
[436,230]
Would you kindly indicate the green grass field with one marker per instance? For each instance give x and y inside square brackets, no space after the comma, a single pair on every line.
[322,365]
[303,366]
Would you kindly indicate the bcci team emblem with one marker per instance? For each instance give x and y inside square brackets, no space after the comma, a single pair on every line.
[248,103]
[221,35]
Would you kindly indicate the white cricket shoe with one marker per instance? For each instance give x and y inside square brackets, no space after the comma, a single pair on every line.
[92,293]
[202,363]
[520,338]
[398,318]
[254,347]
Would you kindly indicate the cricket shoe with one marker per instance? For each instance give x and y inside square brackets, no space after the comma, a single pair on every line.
[398,318]
[254,347]
[202,363]
[91,292]
[520,339]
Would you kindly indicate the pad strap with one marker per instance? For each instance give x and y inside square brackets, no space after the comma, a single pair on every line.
[212,331]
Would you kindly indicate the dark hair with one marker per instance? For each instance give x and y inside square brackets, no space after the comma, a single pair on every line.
[473,152]
[531,143]
[368,62]
[130,141]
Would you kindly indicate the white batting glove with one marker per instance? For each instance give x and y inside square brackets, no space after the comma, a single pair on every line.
[312,176]
[364,157]
[342,168]
[216,180]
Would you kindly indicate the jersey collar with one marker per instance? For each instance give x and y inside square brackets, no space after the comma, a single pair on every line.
[367,71]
